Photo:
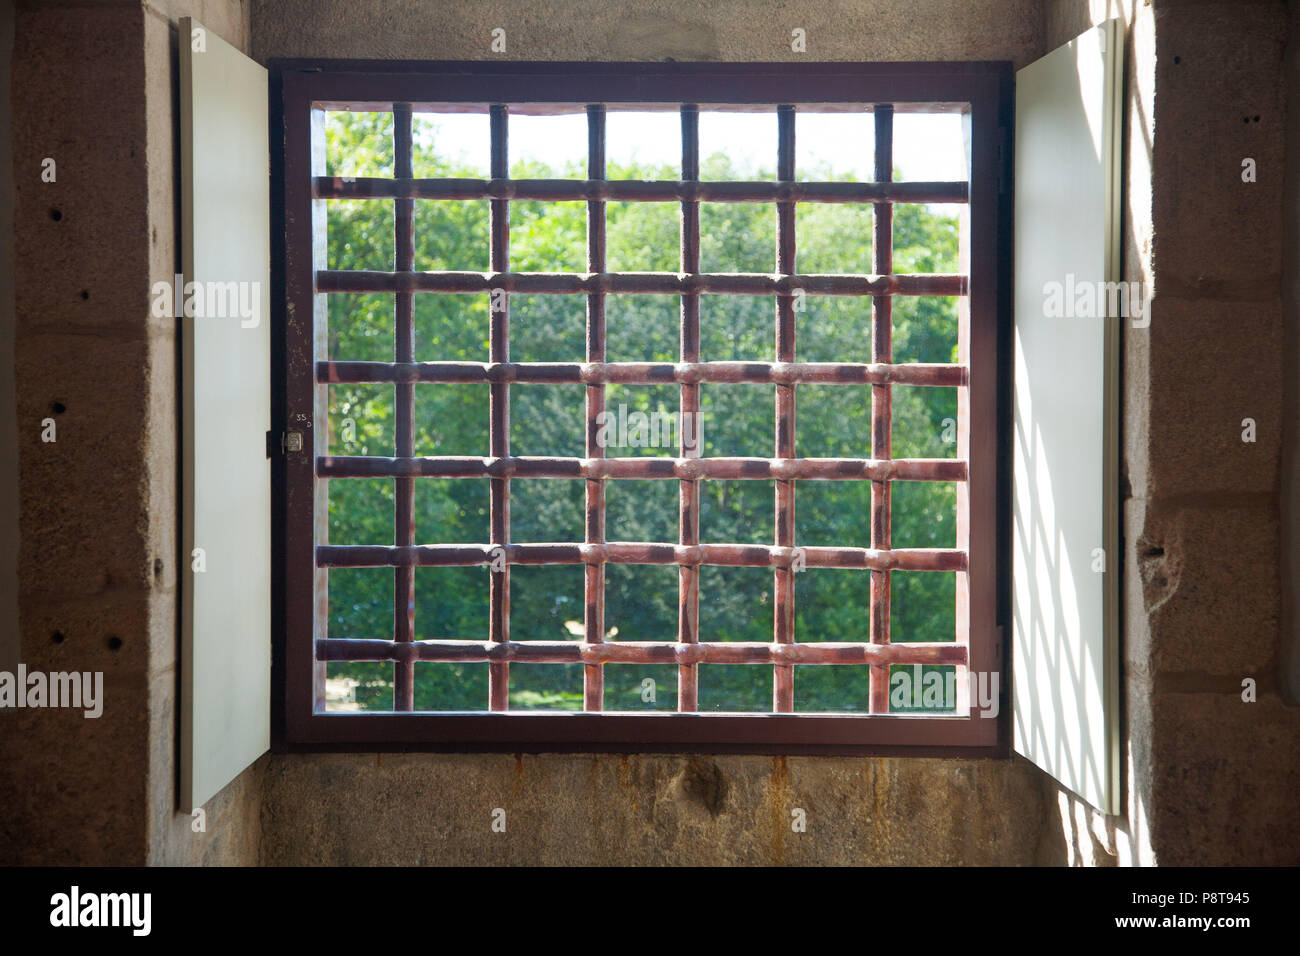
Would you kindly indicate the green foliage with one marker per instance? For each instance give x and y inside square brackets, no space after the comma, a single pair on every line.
[641,601]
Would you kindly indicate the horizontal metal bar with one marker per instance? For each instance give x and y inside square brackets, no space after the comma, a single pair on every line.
[640,652]
[638,283]
[639,552]
[637,190]
[686,469]
[646,373]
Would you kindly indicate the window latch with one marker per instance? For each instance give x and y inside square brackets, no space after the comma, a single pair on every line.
[289,441]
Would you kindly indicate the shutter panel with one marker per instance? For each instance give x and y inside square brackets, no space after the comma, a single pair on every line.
[225,358]
[1065,498]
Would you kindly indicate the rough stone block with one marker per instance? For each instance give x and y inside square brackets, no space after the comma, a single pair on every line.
[1221,99]
[1224,778]
[84,508]
[647,810]
[1211,365]
[74,787]
[655,30]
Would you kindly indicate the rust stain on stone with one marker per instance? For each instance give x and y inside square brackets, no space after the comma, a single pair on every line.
[519,775]
[625,780]
[778,789]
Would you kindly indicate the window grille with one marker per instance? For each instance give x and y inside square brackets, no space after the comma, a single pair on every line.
[974,376]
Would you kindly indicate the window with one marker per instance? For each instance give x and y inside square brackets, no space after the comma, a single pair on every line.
[828,394]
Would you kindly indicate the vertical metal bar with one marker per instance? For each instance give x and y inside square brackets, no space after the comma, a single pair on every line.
[320,411]
[593,684]
[404,498]
[499,413]
[881,351]
[688,578]
[783,674]
[962,615]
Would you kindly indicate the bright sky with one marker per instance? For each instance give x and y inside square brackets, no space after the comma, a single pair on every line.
[927,146]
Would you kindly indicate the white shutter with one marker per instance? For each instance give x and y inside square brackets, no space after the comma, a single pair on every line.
[225,358]
[1065,621]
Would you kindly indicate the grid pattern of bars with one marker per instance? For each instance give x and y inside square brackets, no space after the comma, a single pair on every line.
[688,553]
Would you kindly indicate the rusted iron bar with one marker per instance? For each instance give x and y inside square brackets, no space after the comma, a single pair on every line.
[641,652]
[783,578]
[404,399]
[688,517]
[636,283]
[631,190]
[499,412]
[881,398]
[593,680]
[638,552]
[645,373]
[683,469]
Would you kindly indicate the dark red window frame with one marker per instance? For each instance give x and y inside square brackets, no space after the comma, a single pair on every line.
[301,372]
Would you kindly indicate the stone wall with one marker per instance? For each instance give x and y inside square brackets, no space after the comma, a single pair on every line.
[93,88]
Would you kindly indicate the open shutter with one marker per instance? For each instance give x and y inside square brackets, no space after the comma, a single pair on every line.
[225,358]
[1065,536]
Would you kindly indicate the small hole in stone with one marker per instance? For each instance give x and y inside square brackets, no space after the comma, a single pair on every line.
[1153,553]
[1178,59]
[114,643]
[1256,119]
[57,637]
[157,567]
[1245,119]
[56,214]
[85,294]
[58,408]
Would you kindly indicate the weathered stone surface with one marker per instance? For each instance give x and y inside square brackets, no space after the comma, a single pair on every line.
[1224,779]
[1221,100]
[1211,366]
[648,810]
[655,30]
[73,789]
[1207,607]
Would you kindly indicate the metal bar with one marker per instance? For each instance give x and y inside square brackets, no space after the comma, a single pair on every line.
[638,552]
[963,491]
[683,469]
[783,578]
[688,499]
[404,399]
[499,414]
[881,397]
[630,190]
[593,681]
[641,652]
[637,283]
[646,373]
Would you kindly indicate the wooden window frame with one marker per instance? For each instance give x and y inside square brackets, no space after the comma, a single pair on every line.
[982,91]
